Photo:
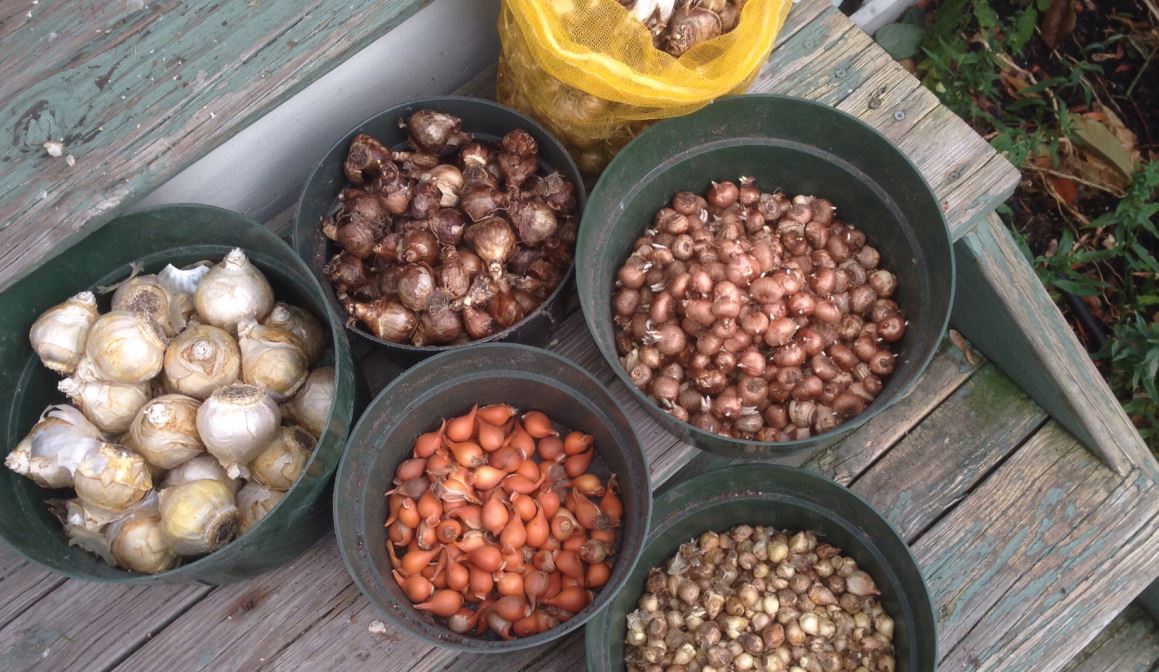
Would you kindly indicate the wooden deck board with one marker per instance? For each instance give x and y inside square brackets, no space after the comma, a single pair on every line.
[90,626]
[937,464]
[1013,528]
[138,91]
[23,584]
[1130,643]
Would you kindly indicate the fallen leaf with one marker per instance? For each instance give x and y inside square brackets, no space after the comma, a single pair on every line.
[962,344]
[1013,83]
[1064,187]
[1100,140]
[1057,22]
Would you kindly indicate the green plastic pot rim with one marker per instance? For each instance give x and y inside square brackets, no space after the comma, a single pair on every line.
[432,102]
[342,475]
[122,271]
[664,520]
[751,446]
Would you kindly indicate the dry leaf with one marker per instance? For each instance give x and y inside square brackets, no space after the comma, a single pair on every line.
[1057,22]
[1064,188]
[962,344]
[1099,139]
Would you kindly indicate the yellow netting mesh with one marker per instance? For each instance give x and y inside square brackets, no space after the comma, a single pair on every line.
[588,71]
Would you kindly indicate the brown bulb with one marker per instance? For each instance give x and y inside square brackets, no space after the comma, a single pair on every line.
[386,318]
[364,159]
[493,240]
[431,131]
[534,221]
[416,285]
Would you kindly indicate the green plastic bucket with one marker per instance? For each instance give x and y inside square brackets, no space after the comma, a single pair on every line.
[448,385]
[784,498]
[799,147]
[178,234]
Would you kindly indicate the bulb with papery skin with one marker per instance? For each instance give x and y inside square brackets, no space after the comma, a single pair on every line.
[272,358]
[126,347]
[232,291]
[55,447]
[236,423]
[59,335]
[198,517]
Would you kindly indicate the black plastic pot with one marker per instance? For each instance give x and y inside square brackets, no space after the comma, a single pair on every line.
[487,121]
[177,234]
[782,498]
[446,386]
[799,147]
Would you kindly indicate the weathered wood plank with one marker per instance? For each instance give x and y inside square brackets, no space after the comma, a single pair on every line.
[1040,621]
[239,627]
[1003,308]
[137,92]
[23,584]
[1129,644]
[1008,528]
[90,626]
[938,463]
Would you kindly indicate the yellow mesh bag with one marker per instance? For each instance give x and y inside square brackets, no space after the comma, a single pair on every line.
[588,71]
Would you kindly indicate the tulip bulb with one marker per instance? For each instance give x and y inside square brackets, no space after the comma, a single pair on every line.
[59,335]
[310,407]
[164,432]
[272,358]
[202,467]
[302,325]
[55,447]
[110,406]
[254,501]
[232,291]
[198,517]
[126,347]
[284,460]
[236,423]
[112,479]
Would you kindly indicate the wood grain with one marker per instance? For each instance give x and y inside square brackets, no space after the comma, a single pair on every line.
[1015,526]
[1018,634]
[22,584]
[1130,643]
[90,626]
[938,463]
[1003,308]
[138,91]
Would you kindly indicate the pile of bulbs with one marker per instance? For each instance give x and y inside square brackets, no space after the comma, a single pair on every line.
[754,598]
[679,25]
[497,523]
[453,241]
[757,316]
[175,442]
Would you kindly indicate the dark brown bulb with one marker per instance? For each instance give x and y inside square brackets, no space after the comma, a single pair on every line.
[431,131]
[534,221]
